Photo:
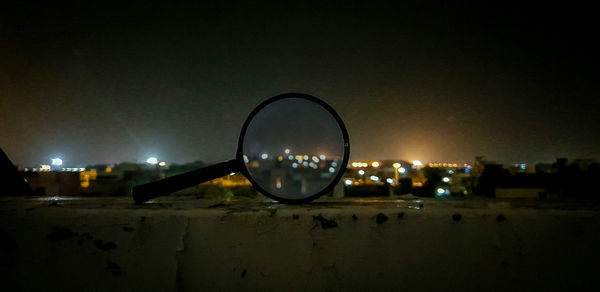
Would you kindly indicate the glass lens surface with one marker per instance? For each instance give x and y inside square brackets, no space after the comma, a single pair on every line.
[293,148]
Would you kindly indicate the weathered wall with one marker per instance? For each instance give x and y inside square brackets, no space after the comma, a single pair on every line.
[239,246]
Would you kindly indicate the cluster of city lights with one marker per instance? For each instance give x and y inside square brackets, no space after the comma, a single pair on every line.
[73,169]
[311,164]
[287,152]
[374,178]
[443,165]
[300,160]
[376,164]
[46,168]
[54,164]
[358,164]
[415,164]
[154,161]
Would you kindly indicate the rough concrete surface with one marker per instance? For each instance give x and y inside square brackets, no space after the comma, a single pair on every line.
[99,244]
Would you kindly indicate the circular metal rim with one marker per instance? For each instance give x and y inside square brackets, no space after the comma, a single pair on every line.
[242,166]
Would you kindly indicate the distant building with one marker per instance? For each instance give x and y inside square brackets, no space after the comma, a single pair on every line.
[54,183]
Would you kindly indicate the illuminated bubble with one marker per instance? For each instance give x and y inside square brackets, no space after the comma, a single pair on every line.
[311,164]
[348,182]
[397,165]
[57,161]
[305,163]
[264,156]
[375,164]
[305,157]
[294,165]
[440,191]
[361,172]
[287,151]
[389,180]
[322,156]
[374,178]
[246,159]
[152,160]
[446,179]
[331,169]
[334,164]
[315,159]
[417,163]
[291,157]
[402,170]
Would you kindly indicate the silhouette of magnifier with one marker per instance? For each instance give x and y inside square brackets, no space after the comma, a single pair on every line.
[293,148]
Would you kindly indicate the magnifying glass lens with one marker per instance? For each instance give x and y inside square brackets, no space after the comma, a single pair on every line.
[293,148]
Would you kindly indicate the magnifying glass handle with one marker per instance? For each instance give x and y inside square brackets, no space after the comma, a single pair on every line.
[145,192]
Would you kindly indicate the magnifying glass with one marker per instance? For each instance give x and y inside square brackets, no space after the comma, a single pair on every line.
[293,148]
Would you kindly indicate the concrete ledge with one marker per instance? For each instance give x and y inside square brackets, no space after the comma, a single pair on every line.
[349,244]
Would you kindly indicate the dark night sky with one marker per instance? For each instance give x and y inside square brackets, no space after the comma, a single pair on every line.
[431,81]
